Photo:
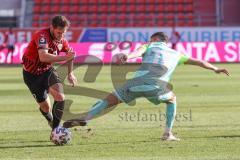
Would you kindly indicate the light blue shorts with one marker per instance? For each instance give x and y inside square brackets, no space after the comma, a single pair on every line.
[135,89]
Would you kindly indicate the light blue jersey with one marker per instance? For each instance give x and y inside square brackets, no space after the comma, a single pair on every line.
[151,79]
[159,61]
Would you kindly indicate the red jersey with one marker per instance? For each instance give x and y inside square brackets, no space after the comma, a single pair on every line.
[42,40]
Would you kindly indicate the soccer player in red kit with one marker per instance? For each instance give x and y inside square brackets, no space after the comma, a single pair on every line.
[38,73]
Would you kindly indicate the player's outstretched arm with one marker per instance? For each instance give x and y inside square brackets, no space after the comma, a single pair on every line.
[44,56]
[206,65]
[137,53]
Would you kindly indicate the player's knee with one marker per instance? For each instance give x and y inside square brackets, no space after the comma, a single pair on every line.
[173,99]
[112,100]
[59,97]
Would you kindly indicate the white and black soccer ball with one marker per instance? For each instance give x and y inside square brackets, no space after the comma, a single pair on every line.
[61,136]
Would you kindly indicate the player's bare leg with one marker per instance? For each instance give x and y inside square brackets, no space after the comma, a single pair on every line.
[45,109]
[56,91]
[110,101]
[170,116]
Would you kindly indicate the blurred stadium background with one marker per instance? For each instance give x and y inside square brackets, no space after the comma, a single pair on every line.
[127,20]
[121,13]
[209,30]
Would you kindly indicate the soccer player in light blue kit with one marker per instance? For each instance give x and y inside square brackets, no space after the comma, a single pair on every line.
[151,80]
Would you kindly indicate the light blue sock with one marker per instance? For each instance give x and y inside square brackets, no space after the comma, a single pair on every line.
[170,114]
[97,108]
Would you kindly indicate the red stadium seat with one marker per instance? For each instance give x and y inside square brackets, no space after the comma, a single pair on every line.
[159,8]
[74,17]
[121,8]
[131,8]
[55,9]
[56,2]
[169,23]
[113,1]
[160,23]
[112,17]
[190,23]
[170,1]
[85,9]
[37,2]
[140,8]
[65,8]
[139,17]
[189,1]
[150,8]
[102,8]
[112,23]
[152,1]
[35,17]
[181,2]
[122,16]
[36,9]
[65,2]
[82,2]
[170,17]
[92,1]
[45,17]
[169,8]
[92,17]
[74,9]
[136,23]
[121,24]
[180,16]
[189,8]
[141,1]
[102,17]
[76,2]
[35,24]
[44,24]
[92,9]
[103,2]
[190,17]
[160,16]
[112,8]
[150,19]
[45,2]
[180,8]
[45,9]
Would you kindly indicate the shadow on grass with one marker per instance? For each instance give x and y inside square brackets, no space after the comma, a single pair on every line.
[22,144]
[226,136]
[27,146]
[211,136]
[120,142]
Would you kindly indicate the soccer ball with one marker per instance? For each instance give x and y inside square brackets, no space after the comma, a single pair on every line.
[60,136]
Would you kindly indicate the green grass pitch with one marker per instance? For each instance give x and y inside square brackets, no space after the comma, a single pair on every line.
[208,121]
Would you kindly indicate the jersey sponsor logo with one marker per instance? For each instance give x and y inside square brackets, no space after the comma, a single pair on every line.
[60,46]
[42,41]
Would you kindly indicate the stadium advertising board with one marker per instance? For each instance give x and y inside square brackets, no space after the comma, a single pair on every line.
[73,35]
[24,35]
[188,34]
[209,51]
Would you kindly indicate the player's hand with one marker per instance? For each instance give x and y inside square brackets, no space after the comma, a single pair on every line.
[221,70]
[72,79]
[70,55]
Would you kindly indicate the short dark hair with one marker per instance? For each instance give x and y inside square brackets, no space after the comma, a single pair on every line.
[161,36]
[60,21]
